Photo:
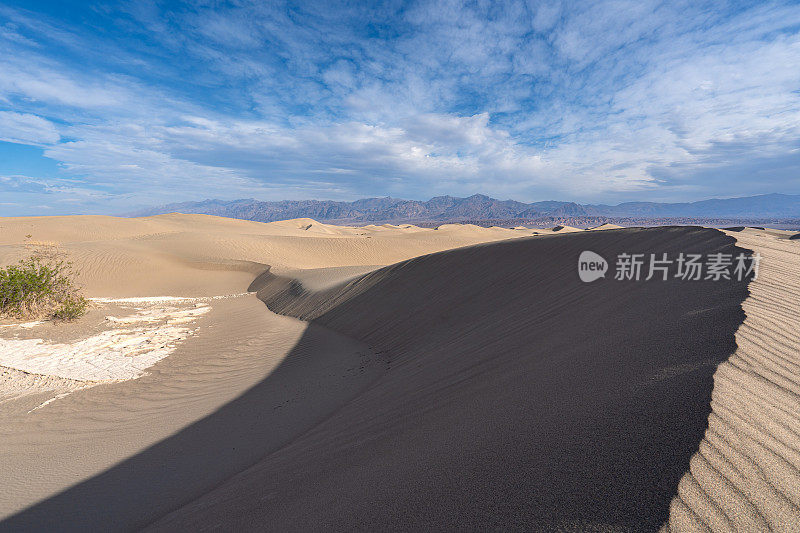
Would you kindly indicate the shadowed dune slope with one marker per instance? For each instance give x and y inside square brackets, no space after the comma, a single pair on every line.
[515,395]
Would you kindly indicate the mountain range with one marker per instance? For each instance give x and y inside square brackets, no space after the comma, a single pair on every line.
[479,207]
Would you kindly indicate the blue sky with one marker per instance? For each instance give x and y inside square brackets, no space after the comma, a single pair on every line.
[109,106]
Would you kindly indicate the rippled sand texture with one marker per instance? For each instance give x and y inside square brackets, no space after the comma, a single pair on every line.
[746,474]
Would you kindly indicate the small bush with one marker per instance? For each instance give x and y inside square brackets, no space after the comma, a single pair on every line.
[40,287]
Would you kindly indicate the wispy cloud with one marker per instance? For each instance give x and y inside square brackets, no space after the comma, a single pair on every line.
[587,101]
[26,128]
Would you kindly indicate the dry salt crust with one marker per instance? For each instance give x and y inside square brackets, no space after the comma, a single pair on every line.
[25,325]
[130,346]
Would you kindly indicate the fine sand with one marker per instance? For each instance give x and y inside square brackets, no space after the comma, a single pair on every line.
[203,255]
[542,403]
[745,475]
[564,229]
[479,387]
[151,278]
[171,337]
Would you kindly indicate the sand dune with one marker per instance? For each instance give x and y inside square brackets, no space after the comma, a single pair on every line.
[480,387]
[160,287]
[535,231]
[191,256]
[203,255]
[746,473]
[505,400]
[564,229]
[80,436]
[604,227]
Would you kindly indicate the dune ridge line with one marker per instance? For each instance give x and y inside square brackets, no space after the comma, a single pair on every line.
[542,420]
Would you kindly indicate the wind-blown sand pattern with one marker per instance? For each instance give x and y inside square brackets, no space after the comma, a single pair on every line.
[746,473]
[482,387]
[17,384]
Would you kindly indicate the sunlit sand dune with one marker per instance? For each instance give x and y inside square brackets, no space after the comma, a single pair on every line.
[195,257]
[605,226]
[399,349]
[564,229]
[746,473]
[202,255]
[171,335]
[481,387]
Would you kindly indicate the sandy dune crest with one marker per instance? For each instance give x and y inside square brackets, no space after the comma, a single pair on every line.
[746,473]
[481,387]
[197,256]
[605,226]
[507,399]
[161,315]
[565,229]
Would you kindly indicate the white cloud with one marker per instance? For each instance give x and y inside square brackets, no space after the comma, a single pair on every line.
[26,129]
[580,101]
[25,184]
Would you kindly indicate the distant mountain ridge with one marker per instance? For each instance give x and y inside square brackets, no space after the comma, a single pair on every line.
[480,207]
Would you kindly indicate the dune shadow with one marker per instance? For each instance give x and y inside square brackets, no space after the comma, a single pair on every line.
[322,371]
[505,393]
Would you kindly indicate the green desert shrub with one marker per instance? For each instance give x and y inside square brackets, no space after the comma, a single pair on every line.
[40,287]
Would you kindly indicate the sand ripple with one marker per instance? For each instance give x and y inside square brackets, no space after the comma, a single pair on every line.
[746,473]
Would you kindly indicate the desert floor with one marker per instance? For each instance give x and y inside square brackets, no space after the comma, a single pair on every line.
[297,375]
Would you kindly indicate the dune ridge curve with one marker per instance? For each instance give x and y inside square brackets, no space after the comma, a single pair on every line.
[510,400]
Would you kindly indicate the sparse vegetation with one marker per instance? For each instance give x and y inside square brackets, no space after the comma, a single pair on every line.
[40,286]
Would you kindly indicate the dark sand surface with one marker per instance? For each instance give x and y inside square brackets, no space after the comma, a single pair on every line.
[500,392]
